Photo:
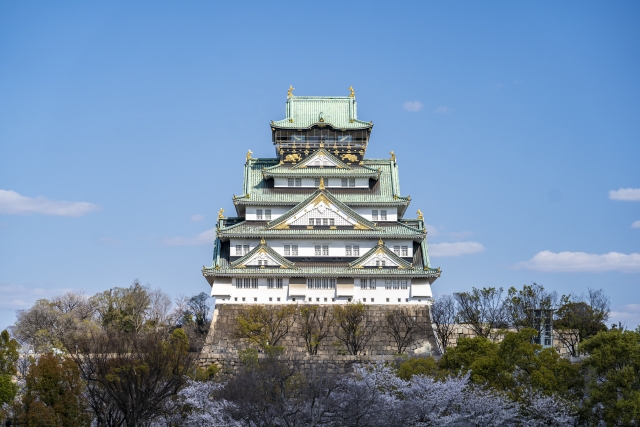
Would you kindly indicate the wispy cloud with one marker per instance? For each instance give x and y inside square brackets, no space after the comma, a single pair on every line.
[582,262]
[629,315]
[197,218]
[16,297]
[635,224]
[455,249]
[204,238]
[625,194]
[413,106]
[13,203]
[443,110]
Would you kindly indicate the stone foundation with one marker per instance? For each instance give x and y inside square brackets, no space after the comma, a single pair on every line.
[221,346]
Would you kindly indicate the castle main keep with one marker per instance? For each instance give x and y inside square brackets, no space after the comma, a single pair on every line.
[320,223]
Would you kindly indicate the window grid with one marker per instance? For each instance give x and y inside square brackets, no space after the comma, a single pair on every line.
[380,263]
[269,283]
[374,215]
[348,250]
[298,182]
[267,214]
[294,250]
[287,249]
[383,215]
[405,251]
[367,283]
[352,182]
[321,283]
[259,214]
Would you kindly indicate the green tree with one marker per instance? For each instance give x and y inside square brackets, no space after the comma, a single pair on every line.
[613,372]
[53,395]
[8,367]
[581,317]
[418,366]
[124,309]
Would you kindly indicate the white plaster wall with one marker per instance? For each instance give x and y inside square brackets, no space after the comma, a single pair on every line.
[306,247]
[276,211]
[328,182]
[365,212]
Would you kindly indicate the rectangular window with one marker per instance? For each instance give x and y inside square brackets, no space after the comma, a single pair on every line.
[247,283]
[405,251]
[262,262]
[367,283]
[387,284]
[347,250]
[238,284]
[290,182]
[403,284]
[267,214]
[312,221]
[259,214]
[396,284]
[396,250]
[374,215]
[246,249]
[380,263]
[278,285]
[383,215]
[325,221]
[321,283]
[352,182]
[269,283]
[325,250]
[254,283]
[318,250]
[287,249]
[294,250]
[298,182]
[345,182]
[332,221]
[238,250]
[356,250]
[316,182]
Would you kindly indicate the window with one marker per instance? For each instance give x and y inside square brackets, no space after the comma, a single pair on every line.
[372,300]
[405,251]
[246,249]
[380,263]
[325,250]
[345,182]
[387,299]
[254,283]
[238,249]
[294,250]
[247,283]
[325,221]
[352,182]
[312,221]
[318,250]
[348,250]
[255,298]
[356,250]
[298,182]
[290,182]
[374,215]
[267,214]
[238,284]
[270,299]
[278,298]
[262,262]
[259,214]
[287,249]
[316,181]
[396,250]
[403,284]
[269,283]
[367,283]
[383,215]
[278,285]
[321,283]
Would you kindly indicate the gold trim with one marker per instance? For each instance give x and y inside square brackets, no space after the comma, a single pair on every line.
[290,92]
[420,216]
[221,213]
[262,242]
[249,153]
[321,186]
[353,93]
[393,156]
[380,242]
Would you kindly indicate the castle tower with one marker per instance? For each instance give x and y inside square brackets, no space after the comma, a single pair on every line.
[320,223]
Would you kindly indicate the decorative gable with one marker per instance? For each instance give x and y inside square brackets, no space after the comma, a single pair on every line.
[262,256]
[322,209]
[380,257]
[321,159]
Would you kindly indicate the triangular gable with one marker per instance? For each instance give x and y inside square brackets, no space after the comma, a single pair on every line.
[262,252]
[322,205]
[321,158]
[374,258]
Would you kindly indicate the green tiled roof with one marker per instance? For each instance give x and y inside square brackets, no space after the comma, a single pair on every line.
[252,229]
[305,111]
[256,190]
[344,208]
[323,271]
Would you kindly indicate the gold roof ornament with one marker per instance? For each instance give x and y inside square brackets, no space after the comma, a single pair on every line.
[321,186]
[290,91]
[249,153]
[380,242]
[262,241]
[420,216]
[393,156]
[353,93]
[221,213]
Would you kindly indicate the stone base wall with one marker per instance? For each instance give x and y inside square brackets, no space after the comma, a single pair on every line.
[221,346]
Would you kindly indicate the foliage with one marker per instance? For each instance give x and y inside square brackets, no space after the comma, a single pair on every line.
[403,325]
[8,367]
[354,326]
[316,323]
[418,366]
[581,317]
[483,310]
[530,307]
[443,317]
[265,325]
[53,395]
[613,368]
[124,309]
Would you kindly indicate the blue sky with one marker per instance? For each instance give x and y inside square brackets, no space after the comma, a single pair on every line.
[514,123]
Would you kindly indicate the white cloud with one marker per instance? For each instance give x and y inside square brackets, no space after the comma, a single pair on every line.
[629,315]
[413,106]
[13,203]
[625,194]
[636,224]
[582,262]
[197,218]
[455,249]
[16,297]
[443,110]
[204,238]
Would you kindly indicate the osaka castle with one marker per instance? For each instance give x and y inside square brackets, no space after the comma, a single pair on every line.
[320,222]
